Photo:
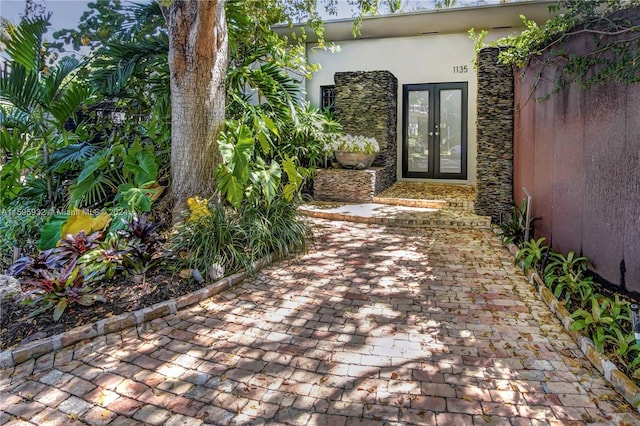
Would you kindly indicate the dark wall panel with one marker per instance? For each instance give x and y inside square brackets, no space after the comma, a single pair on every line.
[541,191]
[603,223]
[579,154]
[524,137]
[568,171]
[631,193]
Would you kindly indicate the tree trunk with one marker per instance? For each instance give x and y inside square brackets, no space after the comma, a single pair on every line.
[198,65]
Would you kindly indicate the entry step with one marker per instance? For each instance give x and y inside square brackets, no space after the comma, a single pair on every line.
[396,215]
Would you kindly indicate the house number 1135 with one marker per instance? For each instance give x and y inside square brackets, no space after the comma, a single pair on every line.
[460,69]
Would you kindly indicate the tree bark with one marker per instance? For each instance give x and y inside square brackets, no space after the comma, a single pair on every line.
[198,59]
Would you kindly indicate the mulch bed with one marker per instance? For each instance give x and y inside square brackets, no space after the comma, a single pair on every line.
[122,294]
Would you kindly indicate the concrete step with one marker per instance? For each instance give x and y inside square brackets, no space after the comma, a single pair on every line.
[420,194]
[397,215]
[413,202]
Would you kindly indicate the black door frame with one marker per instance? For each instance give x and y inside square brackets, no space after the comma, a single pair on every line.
[434,117]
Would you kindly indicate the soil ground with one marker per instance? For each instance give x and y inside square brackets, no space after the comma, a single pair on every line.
[123,295]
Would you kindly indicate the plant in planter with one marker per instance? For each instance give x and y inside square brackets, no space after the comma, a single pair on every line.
[354,152]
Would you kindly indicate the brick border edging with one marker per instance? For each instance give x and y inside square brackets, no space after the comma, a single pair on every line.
[616,378]
[32,350]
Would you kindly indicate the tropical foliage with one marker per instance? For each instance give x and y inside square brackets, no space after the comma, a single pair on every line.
[610,54]
[36,101]
[72,270]
[600,315]
[86,146]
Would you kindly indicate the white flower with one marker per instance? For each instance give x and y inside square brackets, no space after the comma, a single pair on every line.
[351,143]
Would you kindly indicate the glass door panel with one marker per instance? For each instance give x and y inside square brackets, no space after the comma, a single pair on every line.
[418,132]
[434,131]
[450,131]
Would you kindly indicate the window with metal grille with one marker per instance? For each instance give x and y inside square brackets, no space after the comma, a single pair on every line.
[327,97]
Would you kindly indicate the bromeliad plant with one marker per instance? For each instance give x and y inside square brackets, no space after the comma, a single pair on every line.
[532,253]
[514,229]
[71,271]
[58,276]
[68,251]
[565,277]
[57,290]
[605,320]
[141,244]
[602,320]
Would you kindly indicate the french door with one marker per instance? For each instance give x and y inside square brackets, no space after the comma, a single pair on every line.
[434,136]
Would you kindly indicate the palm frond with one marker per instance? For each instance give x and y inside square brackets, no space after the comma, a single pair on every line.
[12,117]
[21,88]
[143,15]
[69,102]
[118,62]
[24,41]
[97,190]
[54,81]
[74,153]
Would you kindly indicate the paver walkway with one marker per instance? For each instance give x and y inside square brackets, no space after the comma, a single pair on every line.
[374,326]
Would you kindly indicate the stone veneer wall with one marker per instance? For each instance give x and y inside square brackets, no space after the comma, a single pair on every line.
[357,186]
[494,187]
[366,103]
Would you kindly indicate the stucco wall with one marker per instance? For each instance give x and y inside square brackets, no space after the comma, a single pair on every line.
[578,154]
[412,60]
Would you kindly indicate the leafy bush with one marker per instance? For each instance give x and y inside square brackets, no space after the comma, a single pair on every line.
[140,245]
[605,317]
[277,228]
[57,289]
[607,57]
[513,230]
[565,277]
[531,253]
[216,237]
[605,320]
[235,238]
[57,276]
[68,272]
[19,227]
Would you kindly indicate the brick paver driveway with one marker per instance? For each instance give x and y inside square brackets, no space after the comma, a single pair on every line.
[374,326]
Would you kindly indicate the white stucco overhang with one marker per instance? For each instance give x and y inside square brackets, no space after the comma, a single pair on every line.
[437,21]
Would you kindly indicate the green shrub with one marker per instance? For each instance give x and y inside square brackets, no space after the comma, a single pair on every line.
[19,227]
[234,239]
[513,230]
[212,238]
[277,228]
[606,321]
[532,253]
[564,275]
[604,318]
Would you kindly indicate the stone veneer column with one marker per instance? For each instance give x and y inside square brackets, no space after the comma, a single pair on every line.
[366,104]
[494,187]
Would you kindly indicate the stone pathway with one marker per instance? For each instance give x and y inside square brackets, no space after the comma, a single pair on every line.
[374,326]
